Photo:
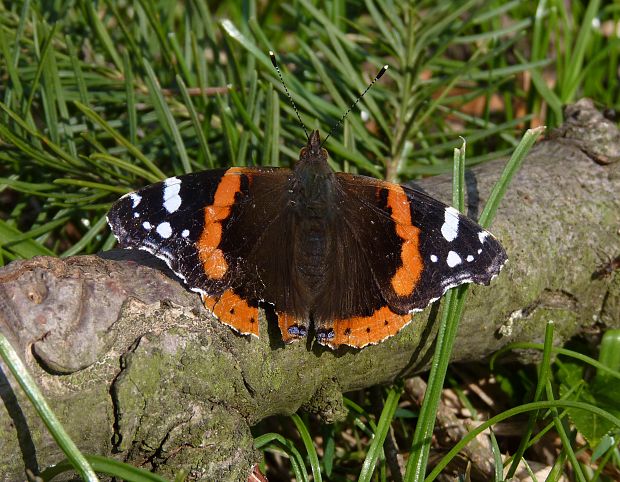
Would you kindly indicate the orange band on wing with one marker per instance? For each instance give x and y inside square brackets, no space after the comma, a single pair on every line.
[408,274]
[233,311]
[212,258]
[360,331]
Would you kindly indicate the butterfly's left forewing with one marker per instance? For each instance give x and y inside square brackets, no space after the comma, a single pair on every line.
[205,227]
[166,219]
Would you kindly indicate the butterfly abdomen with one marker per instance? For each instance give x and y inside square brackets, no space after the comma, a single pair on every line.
[311,245]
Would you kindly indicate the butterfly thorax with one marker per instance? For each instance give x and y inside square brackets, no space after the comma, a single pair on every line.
[314,182]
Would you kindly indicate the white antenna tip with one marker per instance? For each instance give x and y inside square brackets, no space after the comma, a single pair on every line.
[386,66]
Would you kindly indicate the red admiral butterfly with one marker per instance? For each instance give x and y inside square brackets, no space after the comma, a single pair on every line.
[353,255]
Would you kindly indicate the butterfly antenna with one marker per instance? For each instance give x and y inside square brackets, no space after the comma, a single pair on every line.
[275,64]
[377,77]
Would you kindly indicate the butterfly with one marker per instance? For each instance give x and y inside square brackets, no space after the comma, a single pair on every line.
[351,257]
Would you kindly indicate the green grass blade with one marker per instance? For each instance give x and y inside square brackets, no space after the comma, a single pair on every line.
[602,463]
[200,135]
[451,314]
[297,462]
[310,448]
[120,139]
[77,71]
[550,97]
[388,33]
[11,67]
[66,157]
[29,187]
[107,466]
[234,33]
[126,166]
[509,171]
[34,86]
[132,116]
[329,450]
[64,122]
[27,248]
[496,12]
[158,28]
[90,184]
[557,350]
[355,408]
[28,385]
[540,31]
[86,238]
[543,377]
[180,59]
[566,443]
[609,352]
[168,121]
[575,66]
[498,464]
[101,33]
[512,29]
[452,308]
[245,115]
[383,427]
[272,128]
[458,178]
[36,232]
[230,135]
[525,408]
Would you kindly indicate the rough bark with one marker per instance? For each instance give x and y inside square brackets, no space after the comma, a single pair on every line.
[134,366]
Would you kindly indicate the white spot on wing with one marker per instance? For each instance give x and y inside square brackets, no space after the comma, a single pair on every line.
[185,233]
[136,214]
[470,258]
[164,230]
[172,200]
[479,251]
[482,236]
[434,258]
[453,259]
[146,225]
[135,199]
[450,227]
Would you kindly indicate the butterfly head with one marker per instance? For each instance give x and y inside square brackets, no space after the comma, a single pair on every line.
[313,152]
